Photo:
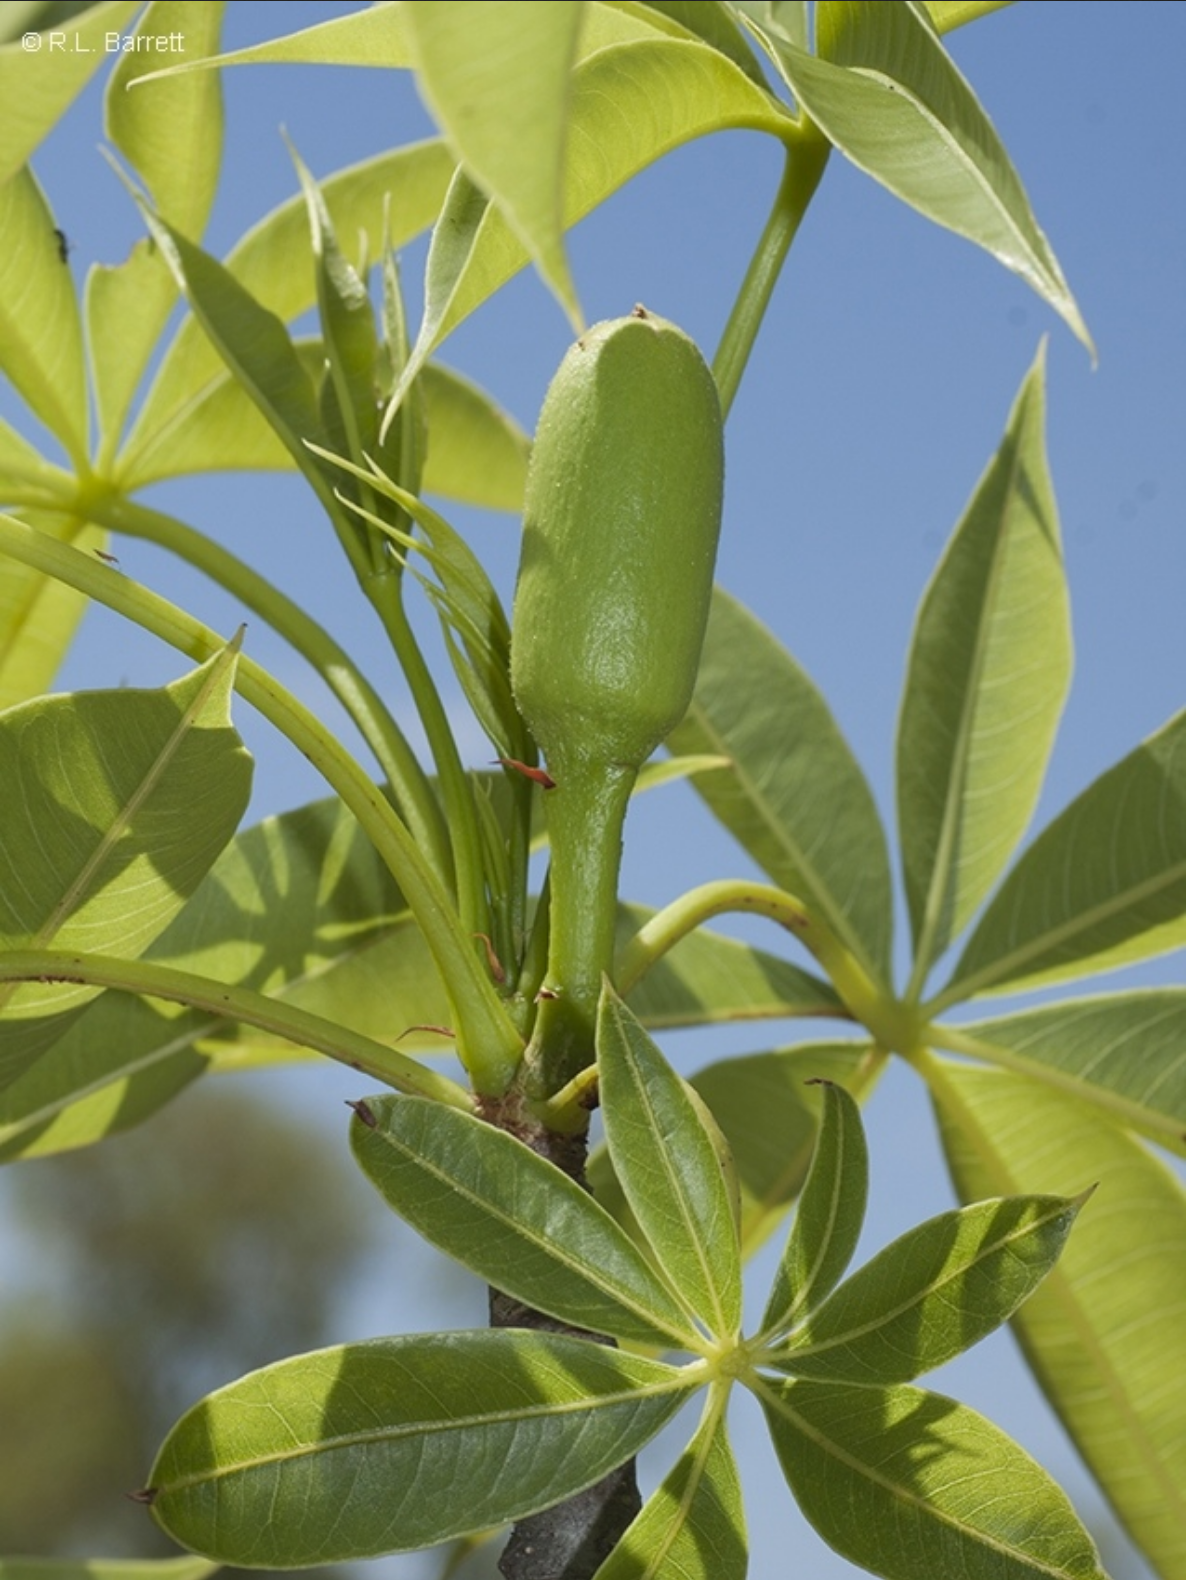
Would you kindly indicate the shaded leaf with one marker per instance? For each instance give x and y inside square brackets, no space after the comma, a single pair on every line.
[692,1527]
[500,92]
[38,87]
[988,673]
[1104,884]
[116,1065]
[769,1115]
[298,907]
[670,1166]
[933,1293]
[40,330]
[830,1214]
[1124,1052]
[460,1431]
[795,798]
[485,1199]
[912,1486]
[117,803]
[1104,1331]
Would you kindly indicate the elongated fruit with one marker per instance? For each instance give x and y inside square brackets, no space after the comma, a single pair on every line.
[620,530]
[622,517]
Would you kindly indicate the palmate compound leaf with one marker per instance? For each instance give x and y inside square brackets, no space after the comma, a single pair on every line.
[519,1222]
[829,1216]
[673,1165]
[933,1293]
[402,1443]
[914,1486]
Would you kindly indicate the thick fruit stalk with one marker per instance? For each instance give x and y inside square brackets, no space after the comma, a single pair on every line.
[622,518]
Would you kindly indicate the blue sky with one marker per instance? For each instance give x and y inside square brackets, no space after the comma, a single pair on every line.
[876,395]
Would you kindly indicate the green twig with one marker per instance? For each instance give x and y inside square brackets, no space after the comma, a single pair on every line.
[413,793]
[488,1042]
[807,154]
[228,1002]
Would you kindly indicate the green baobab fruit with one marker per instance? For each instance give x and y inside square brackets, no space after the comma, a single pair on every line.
[621,521]
[620,529]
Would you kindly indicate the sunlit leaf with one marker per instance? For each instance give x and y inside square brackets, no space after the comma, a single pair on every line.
[947,15]
[1123,1052]
[933,1293]
[692,1527]
[187,1568]
[170,131]
[251,340]
[707,979]
[795,797]
[889,97]
[782,20]
[988,673]
[477,453]
[39,616]
[223,429]
[116,804]
[401,1443]
[1104,884]
[1100,1329]
[631,104]
[24,471]
[491,1203]
[500,92]
[829,1217]
[272,263]
[40,330]
[716,25]
[38,86]
[913,1486]
[670,1166]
